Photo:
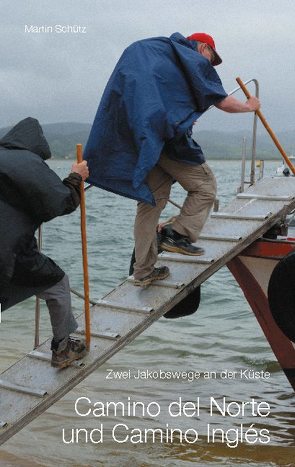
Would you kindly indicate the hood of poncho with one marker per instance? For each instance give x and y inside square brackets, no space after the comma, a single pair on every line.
[28,135]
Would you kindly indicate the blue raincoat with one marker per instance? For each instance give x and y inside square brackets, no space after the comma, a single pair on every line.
[158,88]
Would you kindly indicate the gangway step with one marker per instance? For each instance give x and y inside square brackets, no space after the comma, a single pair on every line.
[46,357]
[174,257]
[161,283]
[103,335]
[23,389]
[239,217]
[126,311]
[264,197]
[118,306]
[220,238]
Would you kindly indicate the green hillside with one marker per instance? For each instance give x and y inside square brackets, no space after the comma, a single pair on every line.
[63,137]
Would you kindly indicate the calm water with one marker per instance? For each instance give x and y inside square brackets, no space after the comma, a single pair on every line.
[222,335]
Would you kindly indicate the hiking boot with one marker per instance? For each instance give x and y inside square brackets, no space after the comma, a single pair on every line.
[156,275]
[66,351]
[176,243]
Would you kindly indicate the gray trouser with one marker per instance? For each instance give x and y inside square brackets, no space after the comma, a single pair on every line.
[200,184]
[58,301]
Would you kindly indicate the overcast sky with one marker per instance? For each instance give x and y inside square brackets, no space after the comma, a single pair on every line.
[60,76]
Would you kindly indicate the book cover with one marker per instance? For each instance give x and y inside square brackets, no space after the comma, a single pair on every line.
[202,389]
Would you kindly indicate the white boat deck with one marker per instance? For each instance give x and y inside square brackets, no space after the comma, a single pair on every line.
[31,385]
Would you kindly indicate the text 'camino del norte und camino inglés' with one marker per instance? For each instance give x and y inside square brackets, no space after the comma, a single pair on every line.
[176,410]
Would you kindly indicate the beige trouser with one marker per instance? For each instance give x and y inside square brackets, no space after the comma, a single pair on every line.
[200,184]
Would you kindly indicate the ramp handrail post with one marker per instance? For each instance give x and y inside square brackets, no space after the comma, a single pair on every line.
[254,137]
[84,253]
[243,167]
[254,131]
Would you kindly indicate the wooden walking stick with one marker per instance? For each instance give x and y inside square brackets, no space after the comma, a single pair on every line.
[84,254]
[268,129]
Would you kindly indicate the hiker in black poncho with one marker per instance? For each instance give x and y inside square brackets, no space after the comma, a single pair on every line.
[30,194]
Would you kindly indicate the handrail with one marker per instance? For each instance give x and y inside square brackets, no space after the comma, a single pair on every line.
[254,131]
[268,129]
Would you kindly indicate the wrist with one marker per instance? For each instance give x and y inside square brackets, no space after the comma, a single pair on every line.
[248,107]
[75,175]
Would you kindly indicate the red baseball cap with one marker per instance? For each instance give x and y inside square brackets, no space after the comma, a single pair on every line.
[203,37]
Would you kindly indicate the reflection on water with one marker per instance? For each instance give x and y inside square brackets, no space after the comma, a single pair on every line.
[222,335]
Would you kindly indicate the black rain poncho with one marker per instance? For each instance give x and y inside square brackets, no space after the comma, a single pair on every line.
[30,194]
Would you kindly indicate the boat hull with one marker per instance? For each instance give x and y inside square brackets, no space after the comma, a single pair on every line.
[252,270]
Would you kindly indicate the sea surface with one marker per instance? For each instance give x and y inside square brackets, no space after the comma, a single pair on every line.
[221,336]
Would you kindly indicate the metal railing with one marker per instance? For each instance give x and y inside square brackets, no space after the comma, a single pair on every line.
[254,131]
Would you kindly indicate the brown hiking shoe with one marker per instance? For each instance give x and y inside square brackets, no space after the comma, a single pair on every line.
[156,275]
[176,243]
[68,350]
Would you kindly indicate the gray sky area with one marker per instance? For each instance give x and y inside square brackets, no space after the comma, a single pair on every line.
[60,76]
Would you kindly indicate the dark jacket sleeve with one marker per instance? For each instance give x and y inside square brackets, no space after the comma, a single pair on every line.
[73,182]
[58,198]
[32,187]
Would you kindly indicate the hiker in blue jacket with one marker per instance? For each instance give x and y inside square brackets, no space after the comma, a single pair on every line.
[141,140]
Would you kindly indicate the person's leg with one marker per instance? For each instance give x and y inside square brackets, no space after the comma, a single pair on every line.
[65,349]
[200,184]
[146,221]
[58,301]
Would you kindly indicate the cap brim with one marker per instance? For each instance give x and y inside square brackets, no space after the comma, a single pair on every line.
[217,59]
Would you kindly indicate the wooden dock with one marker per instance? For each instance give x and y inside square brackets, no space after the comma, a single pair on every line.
[31,385]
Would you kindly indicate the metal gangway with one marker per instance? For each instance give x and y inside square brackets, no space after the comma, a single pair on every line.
[31,385]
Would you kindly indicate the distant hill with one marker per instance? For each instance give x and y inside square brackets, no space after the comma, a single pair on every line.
[63,137]
[228,145]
